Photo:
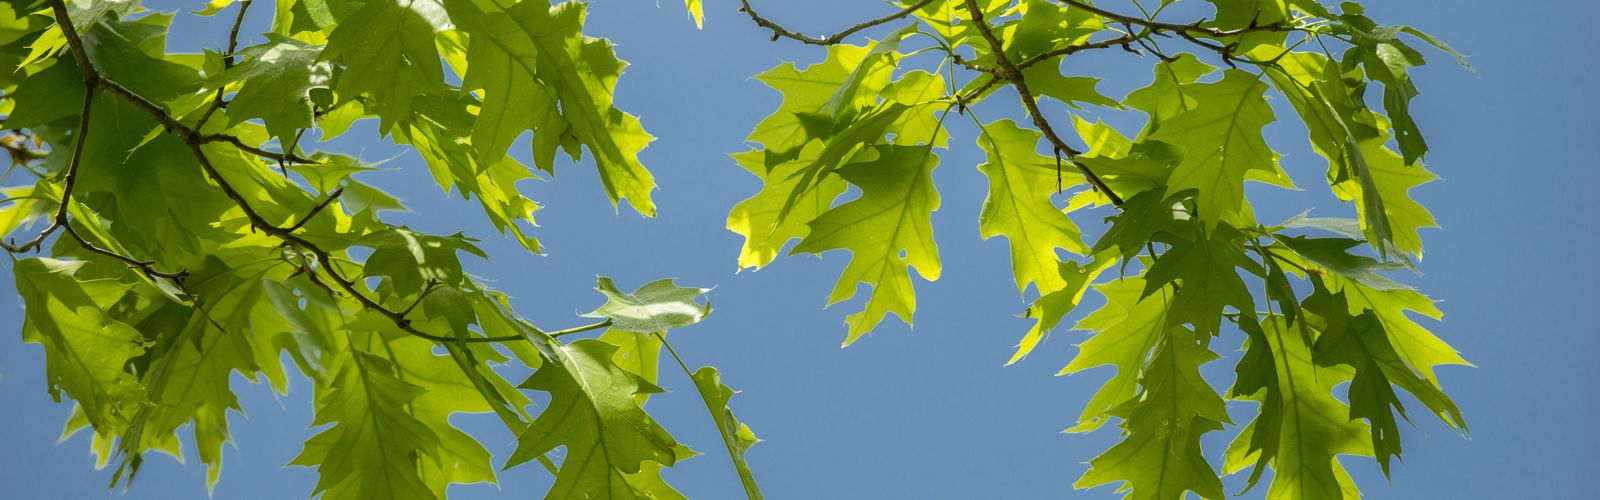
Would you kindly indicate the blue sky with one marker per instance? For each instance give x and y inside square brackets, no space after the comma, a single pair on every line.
[931,413]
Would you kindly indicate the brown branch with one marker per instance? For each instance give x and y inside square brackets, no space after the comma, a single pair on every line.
[71,177]
[1193,31]
[70,32]
[323,256]
[779,31]
[1009,72]
[145,266]
[1121,41]
[91,79]
[194,140]
[315,210]
[227,62]
[237,143]
[233,34]
[185,132]
[1195,28]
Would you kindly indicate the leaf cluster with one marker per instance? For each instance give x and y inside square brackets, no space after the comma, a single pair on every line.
[1329,343]
[193,230]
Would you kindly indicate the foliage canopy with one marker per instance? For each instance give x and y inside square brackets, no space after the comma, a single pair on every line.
[194,229]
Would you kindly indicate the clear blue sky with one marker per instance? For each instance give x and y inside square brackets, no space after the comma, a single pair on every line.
[931,413]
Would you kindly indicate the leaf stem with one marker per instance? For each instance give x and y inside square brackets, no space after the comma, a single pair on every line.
[727,439]
[580,329]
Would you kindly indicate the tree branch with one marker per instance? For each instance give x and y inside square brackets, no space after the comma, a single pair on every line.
[1009,72]
[278,157]
[780,31]
[1194,28]
[1192,31]
[194,140]
[185,132]
[227,61]
[71,177]
[145,266]
[315,210]
[1121,41]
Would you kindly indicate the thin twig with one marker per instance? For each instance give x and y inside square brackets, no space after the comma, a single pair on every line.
[1121,41]
[227,62]
[194,140]
[236,142]
[145,266]
[315,210]
[71,176]
[1009,72]
[780,31]
[1195,28]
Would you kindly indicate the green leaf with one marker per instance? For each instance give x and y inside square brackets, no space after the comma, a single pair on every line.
[1391,180]
[410,259]
[757,218]
[438,131]
[188,368]
[1205,277]
[1361,342]
[1167,95]
[1144,216]
[1021,182]
[880,58]
[531,57]
[657,306]
[1053,306]
[735,434]
[1223,144]
[593,414]
[387,51]
[1387,60]
[276,80]
[375,446]
[897,193]
[783,134]
[1126,328]
[1333,255]
[1070,90]
[696,11]
[85,348]
[1046,24]
[637,352]
[1414,346]
[1300,430]
[1160,454]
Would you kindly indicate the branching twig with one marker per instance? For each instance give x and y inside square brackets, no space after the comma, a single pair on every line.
[194,140]
[71,177]
[1009,72]
[779,31]
[236,142]
[227,62]
[315,210]
[144,266]
[1195,28]
[1193,32]
[1121,41]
